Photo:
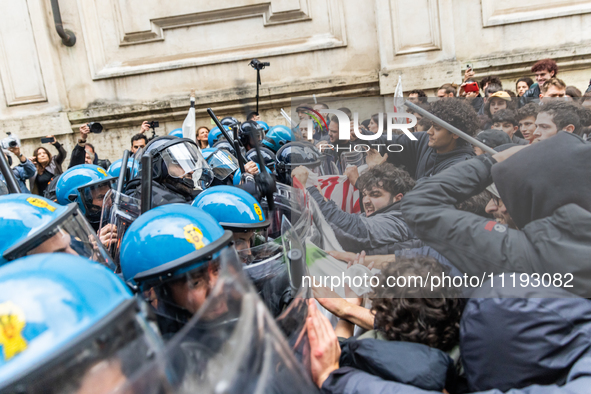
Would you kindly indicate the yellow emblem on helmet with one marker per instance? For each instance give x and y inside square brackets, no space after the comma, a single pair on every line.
[37,202]
[12,323]
[102,171]
[258,211]
[194,236]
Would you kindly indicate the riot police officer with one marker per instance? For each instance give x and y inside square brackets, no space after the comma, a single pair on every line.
[34,225]
[238,211]
[71,326]
[86,185]
[179,171]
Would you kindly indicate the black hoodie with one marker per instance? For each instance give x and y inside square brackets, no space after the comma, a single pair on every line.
[544,177]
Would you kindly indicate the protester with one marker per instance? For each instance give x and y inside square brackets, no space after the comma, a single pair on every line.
[505,120]
[446,90]
[48,166]
[549,238]
[553,88]
[381,230]
[544,70]
[202,134]
[526,118]
[522,85]
[436,149]
[490,80]
[573,92]
[417,96]
[555,116]
[23,171]
[416,330]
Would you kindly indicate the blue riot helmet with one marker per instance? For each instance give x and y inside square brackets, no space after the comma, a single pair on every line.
[268,157]
[247,129]
[173,255]
[264,125]
[238,175]
[277,137]
[296,154]
[216,135]
[176,133]
[207,152]
[178,164]
[115,168]
[85,184]
[66,324]
[34,225]
[238,211]
[230,121]
[224,144]
[222,163]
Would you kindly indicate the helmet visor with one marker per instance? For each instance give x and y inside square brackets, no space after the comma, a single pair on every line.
[222,163]
[182,159]
[239,351]
[108,359]
[186,291]
[92,197]
[71,234]
[118,212]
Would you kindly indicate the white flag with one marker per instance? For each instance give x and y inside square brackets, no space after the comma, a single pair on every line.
[399,101]
[189,123]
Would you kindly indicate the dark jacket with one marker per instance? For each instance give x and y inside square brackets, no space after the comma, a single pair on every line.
[528,345]
[532,95]
[515,337]
[405,362]
[519,141]
[419,159]
[161,195]
[383,232]
[79,156]
[557,243]
[54,167]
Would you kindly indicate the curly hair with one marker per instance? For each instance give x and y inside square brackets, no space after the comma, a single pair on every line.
[420,93]
[458,113]
[545,65]
[415,313]
[565,113]
[526,111]
[505,116]
[388,177]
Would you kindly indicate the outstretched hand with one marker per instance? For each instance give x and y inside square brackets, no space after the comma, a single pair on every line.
[324,345]
[374,158]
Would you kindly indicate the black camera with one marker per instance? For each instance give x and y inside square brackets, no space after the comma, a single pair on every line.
[154,124]
[95,127]
[258,65]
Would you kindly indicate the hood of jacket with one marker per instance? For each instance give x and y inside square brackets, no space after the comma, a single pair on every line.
[544,177]
[514,338]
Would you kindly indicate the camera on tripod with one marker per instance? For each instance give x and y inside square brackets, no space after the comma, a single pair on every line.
[258,65]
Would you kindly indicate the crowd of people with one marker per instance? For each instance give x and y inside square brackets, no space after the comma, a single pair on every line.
[189,275]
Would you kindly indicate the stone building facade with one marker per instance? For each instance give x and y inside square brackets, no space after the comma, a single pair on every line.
[137,60]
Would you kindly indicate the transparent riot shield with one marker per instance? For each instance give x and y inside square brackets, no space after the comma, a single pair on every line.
[351,159]
[232,344]
[291,203]
[119,211]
